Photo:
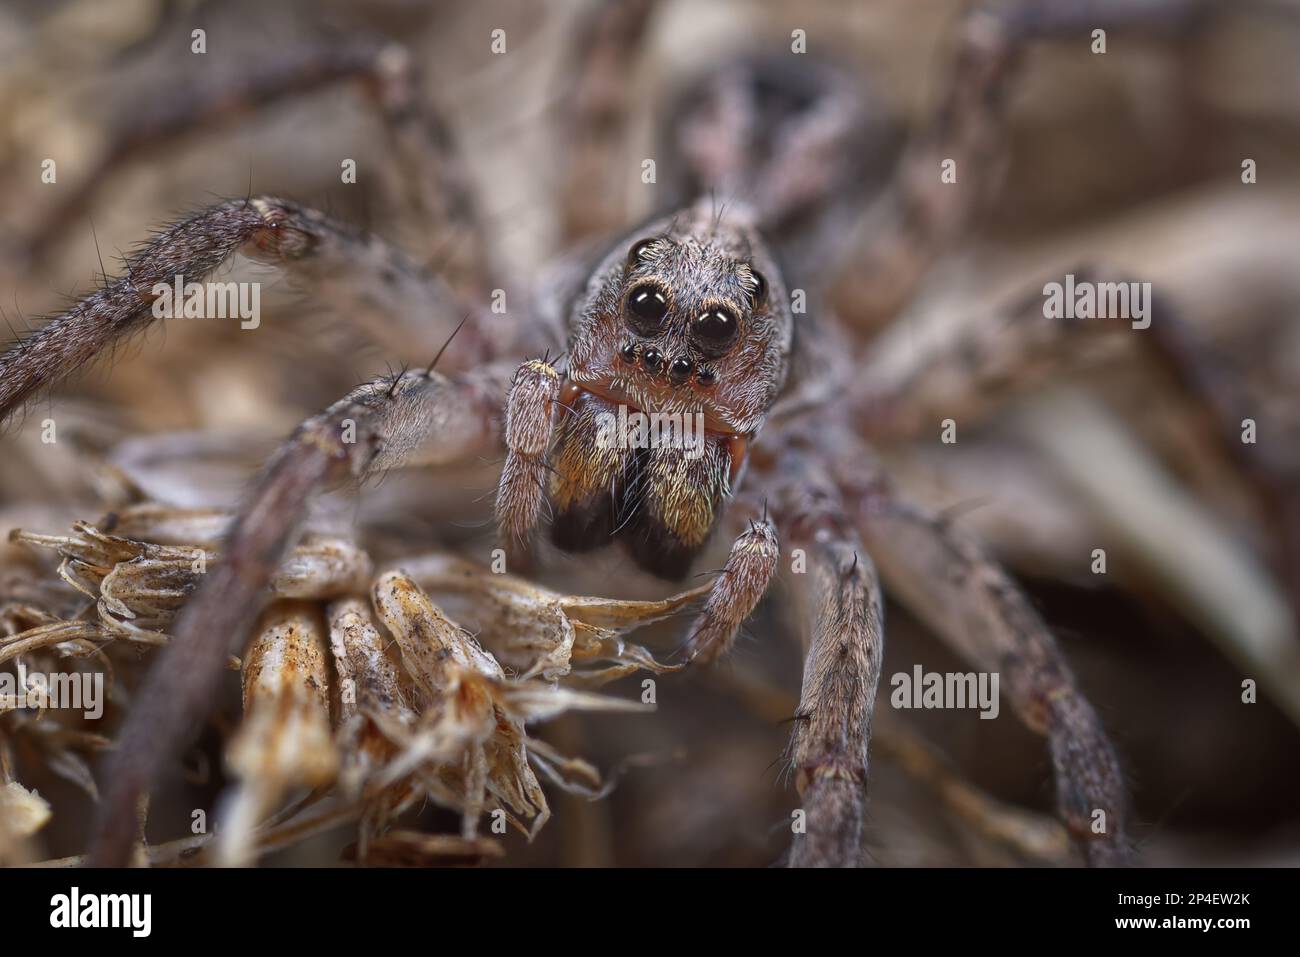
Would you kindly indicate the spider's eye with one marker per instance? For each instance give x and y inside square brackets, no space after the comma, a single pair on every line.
[639,251]
[646,307]
[714,331]
[759,295]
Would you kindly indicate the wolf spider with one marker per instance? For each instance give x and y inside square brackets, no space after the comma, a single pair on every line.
[689,313]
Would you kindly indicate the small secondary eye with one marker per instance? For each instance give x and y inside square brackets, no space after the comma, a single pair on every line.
[646,306]
[639,251]
[714,331]
[759,295]
[680,370]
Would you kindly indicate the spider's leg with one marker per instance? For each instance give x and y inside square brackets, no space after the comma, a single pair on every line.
[591,201]
[947,580]
[919,371]
[374,283]
[1220,403]
[801,163]
[531,408]
[921,214]
[410,419]
[178,110]
[996,355]
[427,190]
[424,186]
[838,599]
[736,591]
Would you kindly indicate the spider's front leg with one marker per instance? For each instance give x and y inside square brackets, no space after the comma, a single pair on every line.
[840,611]
[736,592]
[530,423]
[375,285]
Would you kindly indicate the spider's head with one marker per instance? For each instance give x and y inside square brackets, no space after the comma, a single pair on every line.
[687,315]
[676,353]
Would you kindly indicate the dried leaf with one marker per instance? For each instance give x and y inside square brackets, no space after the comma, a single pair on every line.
[284,741]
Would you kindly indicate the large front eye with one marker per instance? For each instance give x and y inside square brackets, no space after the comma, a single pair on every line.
[714,331]
[646,307]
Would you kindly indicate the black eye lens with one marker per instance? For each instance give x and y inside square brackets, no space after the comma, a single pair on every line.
[680,370]
[639,251]
[646,307]
[759,295]
[715,331]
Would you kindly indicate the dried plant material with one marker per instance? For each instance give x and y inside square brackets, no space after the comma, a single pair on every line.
[168,525]
[412,418]
[464,744]
[29,594]
[369,688]
[432,645]
[18,616]
[54,635]
[284,741]
[542,632]
[469,749]
[367,677]
[22,814]
[322,567]
[413,849]
[61,749]
[572,774]
[139,587]
[73,768]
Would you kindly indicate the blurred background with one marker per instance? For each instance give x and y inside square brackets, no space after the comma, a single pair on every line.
[1130,161]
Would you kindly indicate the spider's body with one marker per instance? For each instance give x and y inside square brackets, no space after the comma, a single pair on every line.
[686,325]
